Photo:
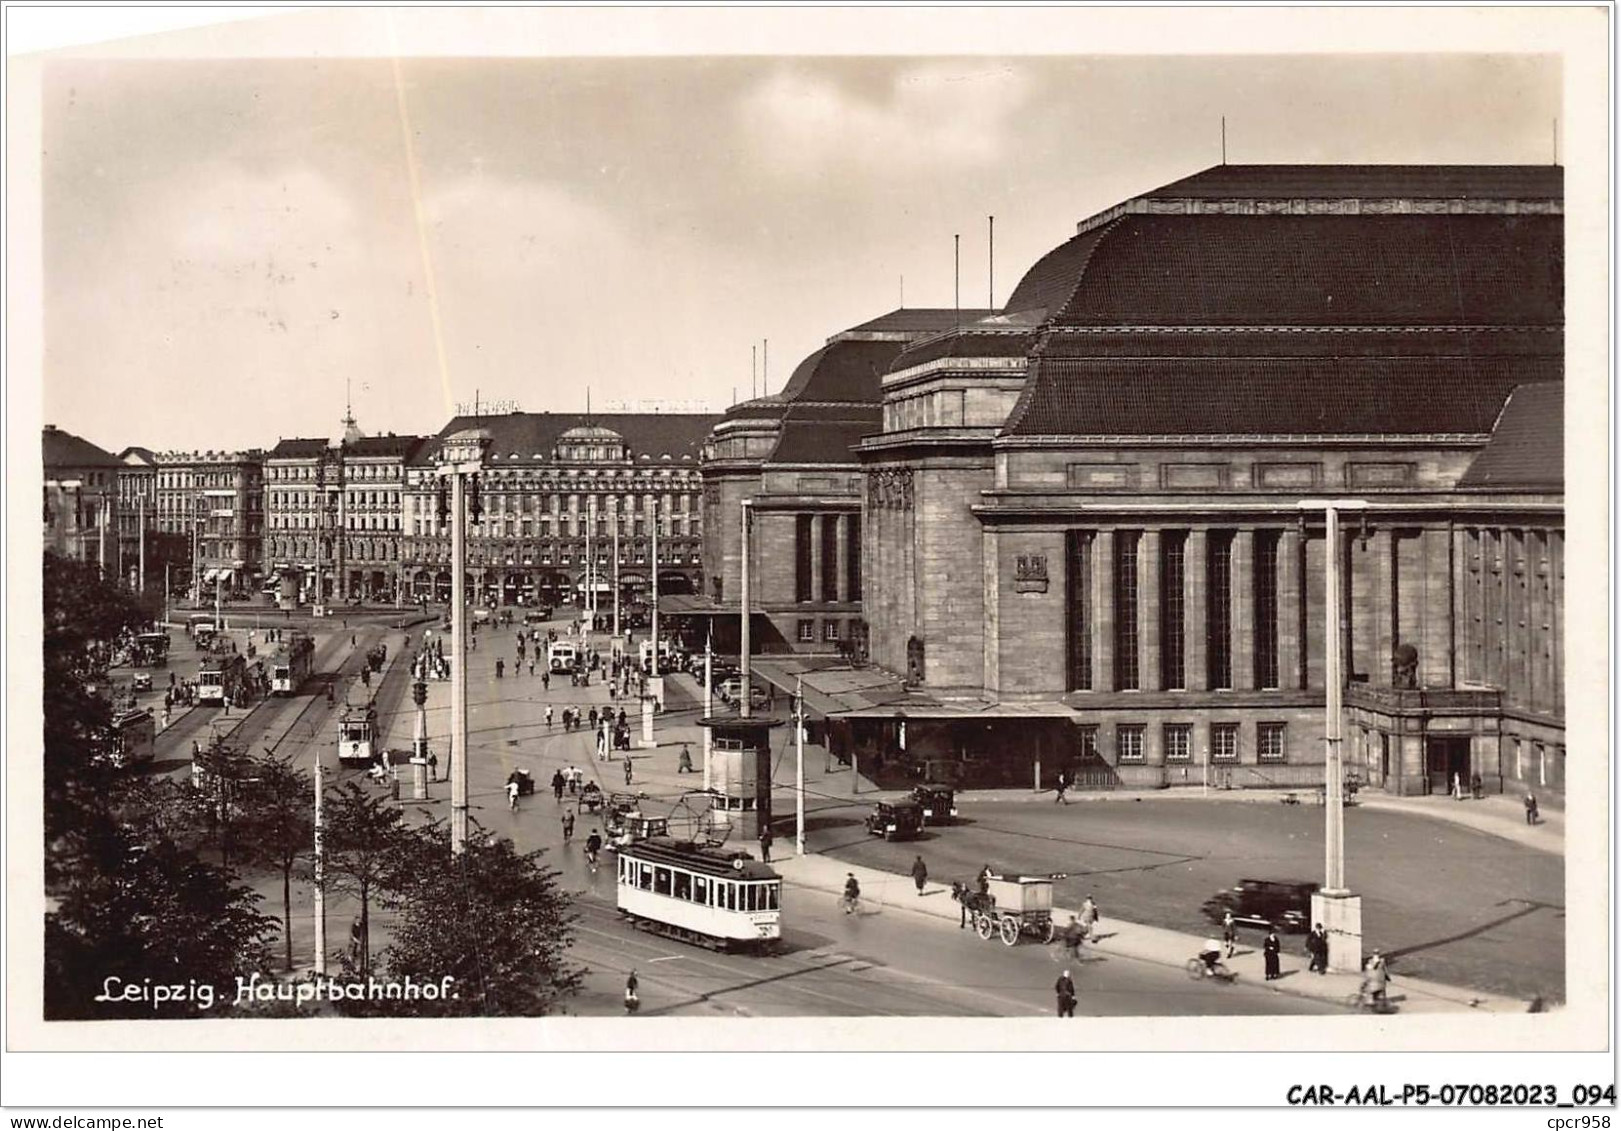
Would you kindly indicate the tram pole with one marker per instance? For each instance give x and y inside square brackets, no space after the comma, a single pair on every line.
[743,618]
[709,697]
[458,667]
[799,765]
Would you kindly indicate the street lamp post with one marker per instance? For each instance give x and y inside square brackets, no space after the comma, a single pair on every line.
[1334,906]
[743,612]
[462,457]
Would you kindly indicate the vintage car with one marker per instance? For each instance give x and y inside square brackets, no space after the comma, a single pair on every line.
[939,802]
[141,681]
[896,820]
[1284,904]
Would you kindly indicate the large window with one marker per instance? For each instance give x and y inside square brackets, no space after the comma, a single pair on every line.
[1266,608]
[802,558]
[830,630]
[1172,584]
[1224,742]
[830,557]
[1125,610]
[807,631]
[1129,742]
[1270,742]
[1078,583]
[1178,742]
[852,549]
[1219,609]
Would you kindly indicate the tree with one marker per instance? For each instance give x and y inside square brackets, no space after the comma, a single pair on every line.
[280,826]
[492,920]
[132,912]
[364,838]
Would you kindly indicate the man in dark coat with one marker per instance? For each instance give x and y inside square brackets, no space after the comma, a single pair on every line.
[1065,989]
[920,873]
[1317,947]
[765,837]
[1272,948]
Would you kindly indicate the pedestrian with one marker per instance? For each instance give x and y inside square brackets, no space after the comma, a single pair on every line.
[546,681]
[593,718]
[573,780]
[557,785]
[1089,917]
[920,873]
[1065,988]
[351,636]
[1376,979]
[632,1002]
[548,716]
[1457,787]
[531,667]
[1317,949]
[1063,784]
[685,765]
[166,716]
[568,825]
[1272,948]
[1476,788]
[500,666]
[433,767]
[852,893]
[765,841]
[512,793]
[959,892]
[1229,933]
[627,769]
[1531,816]
[1073,937]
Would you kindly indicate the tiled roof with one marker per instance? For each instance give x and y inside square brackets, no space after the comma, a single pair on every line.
[919,319]
[823,441]
[1421,182]
[842,370]
[530,434]
[1284,396]
[137,456]
[64,449]
[1244,342]
[1527,448]
[384,445]
[972,342]
[1317,270]
[298,449]
[1049,283]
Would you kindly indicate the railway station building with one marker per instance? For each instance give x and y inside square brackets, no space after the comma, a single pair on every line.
[1084,543]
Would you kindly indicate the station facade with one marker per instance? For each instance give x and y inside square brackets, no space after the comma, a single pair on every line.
[1091,525]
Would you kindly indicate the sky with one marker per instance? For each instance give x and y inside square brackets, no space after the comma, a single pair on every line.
[229,244]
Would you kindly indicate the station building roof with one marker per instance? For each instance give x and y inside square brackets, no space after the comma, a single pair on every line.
[1527,447]
[64,449]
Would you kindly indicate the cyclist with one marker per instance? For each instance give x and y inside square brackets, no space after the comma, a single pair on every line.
[852,894]
[1210,955]
[593,845]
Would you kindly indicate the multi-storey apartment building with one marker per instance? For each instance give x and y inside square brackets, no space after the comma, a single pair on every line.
[557,489]
[81,499]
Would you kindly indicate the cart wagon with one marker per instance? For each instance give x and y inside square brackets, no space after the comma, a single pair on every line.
[1014,905]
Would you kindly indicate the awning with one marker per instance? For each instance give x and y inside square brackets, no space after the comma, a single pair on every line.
[210,574]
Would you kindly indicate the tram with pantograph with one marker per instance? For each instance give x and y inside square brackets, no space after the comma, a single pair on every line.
[292,664]
[707,895]
[357,735]
[220,678]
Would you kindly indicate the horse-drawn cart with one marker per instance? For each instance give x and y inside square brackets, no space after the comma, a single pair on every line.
[1013,905]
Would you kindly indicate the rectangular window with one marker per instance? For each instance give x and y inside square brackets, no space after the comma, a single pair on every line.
[1078,621]
[1178,742]
[807,631]
[1219,609]
[700,890]
[1270,743]
[802,558]
[830,630]
[1224,742]
[645,879]
[852,562]
[1129,742]
[1266,608]
[1125,610]
[1172,585]
[683,885]
[830,557]
[661,881]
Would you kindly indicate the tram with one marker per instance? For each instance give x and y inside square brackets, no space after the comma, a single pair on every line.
[220,677]
[357,735]
[135,737]
[714,897]
[292,664]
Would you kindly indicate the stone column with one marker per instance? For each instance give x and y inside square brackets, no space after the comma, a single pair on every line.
[1384,606]
[1291,611]
[1556,617]
[1103,611]
[1149,551]
[816,556]
[1243,606]
[841,554]
[1194,567]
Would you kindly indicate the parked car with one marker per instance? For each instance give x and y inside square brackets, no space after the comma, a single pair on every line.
[939,802]
[896,820]
[141,681]
[732,689]
[1284,904]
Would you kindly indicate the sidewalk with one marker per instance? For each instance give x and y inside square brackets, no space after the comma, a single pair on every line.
[885,891]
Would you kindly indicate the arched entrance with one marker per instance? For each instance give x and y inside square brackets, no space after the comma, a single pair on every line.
[441,586]
[673,584]
[554,587]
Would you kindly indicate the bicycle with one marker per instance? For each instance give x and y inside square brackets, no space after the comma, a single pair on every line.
[1365,1001]
[1197,969]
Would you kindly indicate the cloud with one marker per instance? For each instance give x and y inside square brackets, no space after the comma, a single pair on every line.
[938,114]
